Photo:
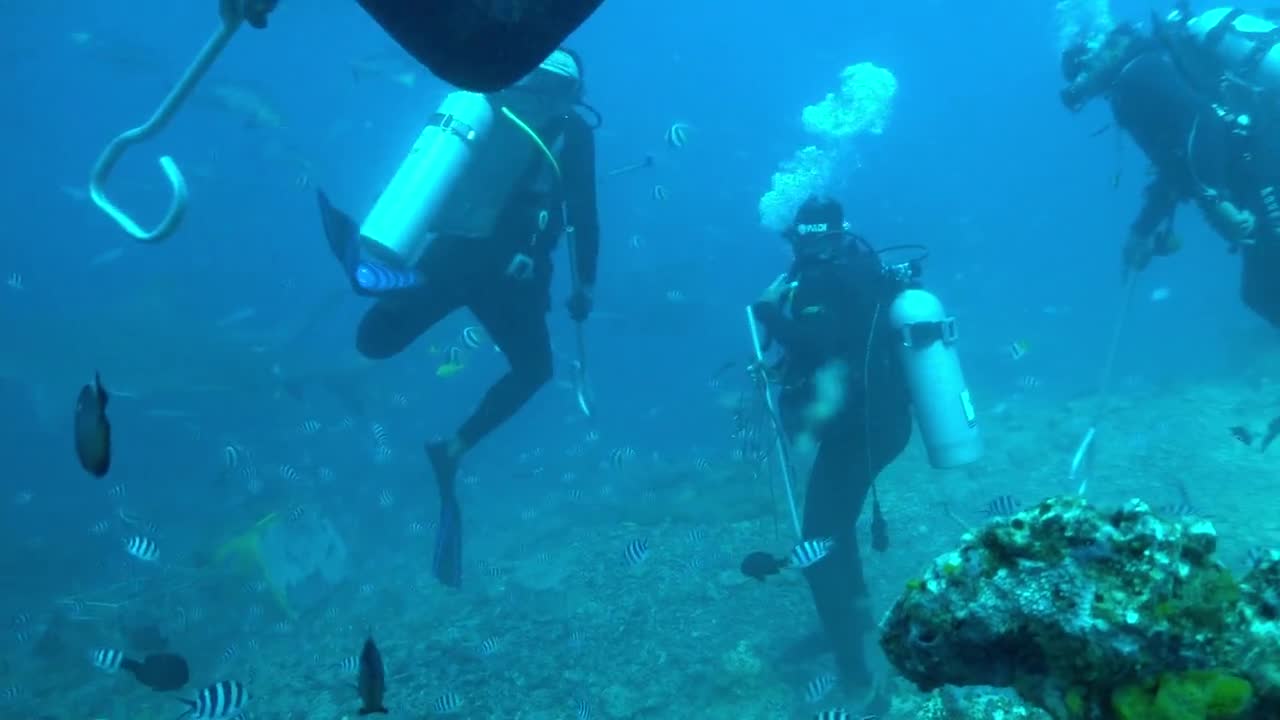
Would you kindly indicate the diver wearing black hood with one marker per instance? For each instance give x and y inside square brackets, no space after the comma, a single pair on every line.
[502,276]
[844,388]
[1225,163]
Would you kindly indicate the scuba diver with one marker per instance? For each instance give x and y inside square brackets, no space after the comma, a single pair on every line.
[470,220]
[1184,93]
[863,345]
[823,313]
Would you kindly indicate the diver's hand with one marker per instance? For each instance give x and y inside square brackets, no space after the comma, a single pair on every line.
[580,304]
[1232,223]
[254,12]
[1137,254]
[773,294]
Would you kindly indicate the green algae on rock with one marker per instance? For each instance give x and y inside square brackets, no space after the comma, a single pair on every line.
[1073,608]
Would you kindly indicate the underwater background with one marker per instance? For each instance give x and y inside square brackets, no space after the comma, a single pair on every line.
[240,407]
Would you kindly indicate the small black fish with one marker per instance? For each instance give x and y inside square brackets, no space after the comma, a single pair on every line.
[1241,433]
[162,672]
[93,430]
[760,565]
[372,681]
[1273,430]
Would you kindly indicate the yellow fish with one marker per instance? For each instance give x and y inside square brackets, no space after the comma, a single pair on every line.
[453,366]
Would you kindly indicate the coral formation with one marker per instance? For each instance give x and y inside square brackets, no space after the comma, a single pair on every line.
[1123,615]
[298,560]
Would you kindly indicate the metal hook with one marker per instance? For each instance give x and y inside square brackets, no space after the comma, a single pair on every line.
[232,13]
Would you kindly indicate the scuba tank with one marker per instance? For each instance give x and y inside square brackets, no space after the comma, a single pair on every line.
[1226,52]
[944,411]
[399,225]
[459,173]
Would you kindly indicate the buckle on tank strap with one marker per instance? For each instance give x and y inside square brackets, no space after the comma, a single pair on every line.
[923,334]
[520,267]
[451,123]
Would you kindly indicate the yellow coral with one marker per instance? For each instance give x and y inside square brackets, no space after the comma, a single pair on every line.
[1075,703]
[1132,702]
[246,550]
[1190,695]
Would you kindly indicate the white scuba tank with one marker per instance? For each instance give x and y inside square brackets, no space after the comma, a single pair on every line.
[944,412]
[457,176]
[1237,44]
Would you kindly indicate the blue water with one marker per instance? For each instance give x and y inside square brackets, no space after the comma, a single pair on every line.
[1012,195]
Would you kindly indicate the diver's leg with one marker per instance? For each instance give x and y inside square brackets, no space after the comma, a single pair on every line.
[1260,279]
[838,486]
[519,327]
[393,323]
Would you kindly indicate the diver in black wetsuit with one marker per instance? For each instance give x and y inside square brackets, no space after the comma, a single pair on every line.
[1226,163]
[504,279]
[843,387]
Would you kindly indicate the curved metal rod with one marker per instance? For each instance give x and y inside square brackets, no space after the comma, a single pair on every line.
[232,13]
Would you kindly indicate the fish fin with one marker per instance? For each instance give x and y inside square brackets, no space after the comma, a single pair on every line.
[99,390]
[191,707]
[446,564]
[342,234]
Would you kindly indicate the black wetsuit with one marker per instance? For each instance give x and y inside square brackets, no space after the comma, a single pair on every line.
[1195,151]
[835,311]
[473,273]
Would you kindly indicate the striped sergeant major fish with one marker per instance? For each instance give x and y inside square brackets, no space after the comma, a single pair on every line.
[220,701]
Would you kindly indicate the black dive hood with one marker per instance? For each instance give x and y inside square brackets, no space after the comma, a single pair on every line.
[1090,72]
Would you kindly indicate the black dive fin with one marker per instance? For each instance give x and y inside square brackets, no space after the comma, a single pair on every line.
[341,232]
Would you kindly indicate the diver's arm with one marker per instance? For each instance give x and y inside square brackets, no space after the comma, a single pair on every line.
[1151,232]
[816,329]
[1160,199]
[578,161]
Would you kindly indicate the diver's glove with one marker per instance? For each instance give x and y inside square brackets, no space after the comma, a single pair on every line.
[579,304]
[1140,248]
[777,290]
[1137,254]
[255,11]
[1234,224]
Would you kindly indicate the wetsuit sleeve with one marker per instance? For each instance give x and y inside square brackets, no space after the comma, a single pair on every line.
[578,161]
[1252,179]
[822,324]
[1159,201]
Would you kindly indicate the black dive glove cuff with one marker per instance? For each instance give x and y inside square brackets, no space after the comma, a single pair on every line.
[256,12]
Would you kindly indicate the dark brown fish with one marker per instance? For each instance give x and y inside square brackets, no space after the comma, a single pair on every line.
[372,680]
[760,565]
[1241,433]
[93,430]
[1273,431]
[162,672]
